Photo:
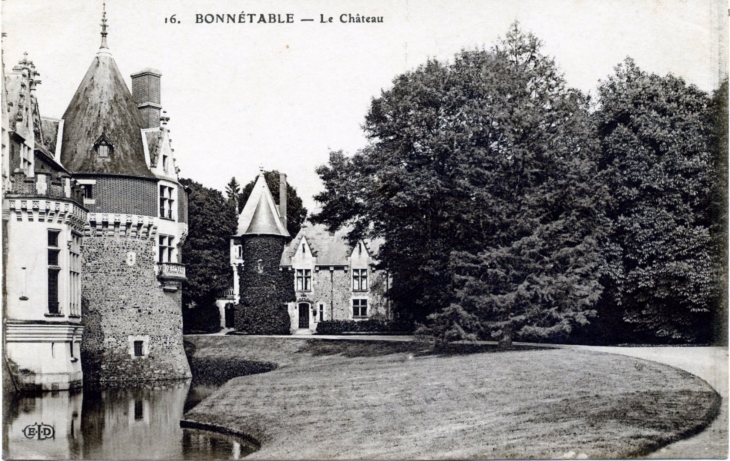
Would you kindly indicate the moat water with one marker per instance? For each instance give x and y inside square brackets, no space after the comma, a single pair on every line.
[129,422]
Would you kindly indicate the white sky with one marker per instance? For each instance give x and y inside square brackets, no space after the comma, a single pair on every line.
[283,95]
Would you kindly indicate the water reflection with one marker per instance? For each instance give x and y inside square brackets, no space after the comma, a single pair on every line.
[125,422]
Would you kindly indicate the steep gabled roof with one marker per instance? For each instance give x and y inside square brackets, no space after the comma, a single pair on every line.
[330,249]
[260,215]
[103,105]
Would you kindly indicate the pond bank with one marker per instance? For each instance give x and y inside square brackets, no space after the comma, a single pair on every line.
[355,399]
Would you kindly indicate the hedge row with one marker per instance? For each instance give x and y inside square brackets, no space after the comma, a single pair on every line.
[336,327]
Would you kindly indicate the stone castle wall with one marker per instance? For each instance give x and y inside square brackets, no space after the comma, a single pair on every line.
[123,301]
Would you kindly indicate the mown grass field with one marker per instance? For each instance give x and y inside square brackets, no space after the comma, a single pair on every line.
[380,400]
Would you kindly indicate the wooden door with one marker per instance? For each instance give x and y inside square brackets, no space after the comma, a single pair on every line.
[303,315]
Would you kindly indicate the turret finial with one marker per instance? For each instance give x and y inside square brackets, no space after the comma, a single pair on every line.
[261,168]
[103,27]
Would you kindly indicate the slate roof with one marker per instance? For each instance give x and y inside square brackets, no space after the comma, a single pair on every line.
[154,144]
[50,133]
[330,249]
[103,105]
[260,215]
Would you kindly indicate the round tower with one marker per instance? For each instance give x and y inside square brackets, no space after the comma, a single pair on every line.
[264,289]
[131,285]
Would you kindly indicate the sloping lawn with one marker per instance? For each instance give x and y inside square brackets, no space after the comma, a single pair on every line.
[379,400]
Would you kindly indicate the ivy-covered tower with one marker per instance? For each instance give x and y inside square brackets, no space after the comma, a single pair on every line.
[264,289]
[131,284]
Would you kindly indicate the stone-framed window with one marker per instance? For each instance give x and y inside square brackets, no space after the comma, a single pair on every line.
[321,312]
[167,202]
[139,346]
[304,280]
[166,248]
[54,270]
[74,269]
[359,280]
[359,308]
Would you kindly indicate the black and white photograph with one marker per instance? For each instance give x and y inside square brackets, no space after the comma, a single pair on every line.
[364,229]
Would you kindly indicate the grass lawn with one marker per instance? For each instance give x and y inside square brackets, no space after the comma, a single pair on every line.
[381,400]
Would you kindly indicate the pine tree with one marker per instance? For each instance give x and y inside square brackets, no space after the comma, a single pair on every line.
[233,192]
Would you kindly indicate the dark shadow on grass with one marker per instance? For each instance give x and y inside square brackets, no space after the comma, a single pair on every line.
[354,348]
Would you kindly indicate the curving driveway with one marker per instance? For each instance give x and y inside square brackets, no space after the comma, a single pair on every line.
[710,364]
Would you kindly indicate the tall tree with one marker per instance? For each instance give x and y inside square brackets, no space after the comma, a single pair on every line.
[655,155]
[719,230]
[233,192]
[296,213]
[211,221]
[479,178]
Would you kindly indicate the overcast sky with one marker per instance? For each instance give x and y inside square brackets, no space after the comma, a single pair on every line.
[283,95]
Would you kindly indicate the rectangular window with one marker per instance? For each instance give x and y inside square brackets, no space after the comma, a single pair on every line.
[53,291]
[138,352]
[74,267]
[88,191]
[53,238]
[138,408]
[321,312]
[167,203]
[360,280]
[53,257]
[359,308]
[166,249]
[304,279]
[103,150]
[164,163]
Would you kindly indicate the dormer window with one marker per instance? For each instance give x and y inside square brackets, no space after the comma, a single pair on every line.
[103,146]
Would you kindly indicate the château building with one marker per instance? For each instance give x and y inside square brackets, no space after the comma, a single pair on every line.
[94,220]
[43,225]
[332,280]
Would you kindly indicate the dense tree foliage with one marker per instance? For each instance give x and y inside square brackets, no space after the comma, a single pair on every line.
[479,178]
[655,134]
[296,213]
[205,253]
[719,209]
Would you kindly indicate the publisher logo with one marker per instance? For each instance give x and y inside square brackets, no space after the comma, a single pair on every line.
[39,431]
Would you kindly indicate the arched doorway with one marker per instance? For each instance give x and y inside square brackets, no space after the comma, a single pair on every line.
[304,315]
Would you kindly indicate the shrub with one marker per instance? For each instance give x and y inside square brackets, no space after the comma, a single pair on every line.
[336,327]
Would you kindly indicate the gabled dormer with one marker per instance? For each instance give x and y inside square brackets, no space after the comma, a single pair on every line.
[159,153]
[303,257]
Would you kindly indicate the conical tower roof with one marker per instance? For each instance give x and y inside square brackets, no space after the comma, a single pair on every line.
[259,215]
[103,110]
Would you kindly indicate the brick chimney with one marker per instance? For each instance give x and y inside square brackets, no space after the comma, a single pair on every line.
[146,93]
[282,198]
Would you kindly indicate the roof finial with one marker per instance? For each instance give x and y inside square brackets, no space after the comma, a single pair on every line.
[261,168]
[103,27]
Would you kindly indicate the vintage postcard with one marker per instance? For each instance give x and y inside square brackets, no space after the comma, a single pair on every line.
[364,229]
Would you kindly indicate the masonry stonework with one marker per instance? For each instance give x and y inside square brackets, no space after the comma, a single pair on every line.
[122,302]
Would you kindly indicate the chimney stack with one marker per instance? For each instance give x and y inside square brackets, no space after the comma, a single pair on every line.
[146,93]
[282,198]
